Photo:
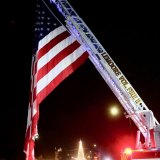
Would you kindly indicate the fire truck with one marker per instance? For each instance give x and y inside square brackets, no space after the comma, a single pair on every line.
[136,109]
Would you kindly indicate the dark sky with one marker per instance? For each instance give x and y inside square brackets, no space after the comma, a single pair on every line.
[78,107]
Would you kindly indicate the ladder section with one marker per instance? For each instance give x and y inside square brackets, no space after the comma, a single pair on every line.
[123,90]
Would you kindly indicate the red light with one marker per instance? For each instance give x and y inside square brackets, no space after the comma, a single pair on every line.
[128,151]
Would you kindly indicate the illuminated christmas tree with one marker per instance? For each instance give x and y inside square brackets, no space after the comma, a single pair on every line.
[81,155]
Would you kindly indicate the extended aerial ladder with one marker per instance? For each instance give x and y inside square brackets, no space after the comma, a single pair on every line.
[134,106]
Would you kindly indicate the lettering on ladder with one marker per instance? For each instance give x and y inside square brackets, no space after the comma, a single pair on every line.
[122,79]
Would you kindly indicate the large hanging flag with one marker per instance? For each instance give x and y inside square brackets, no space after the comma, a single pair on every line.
[57,54]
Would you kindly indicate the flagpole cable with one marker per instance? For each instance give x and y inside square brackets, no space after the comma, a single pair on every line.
[53,14]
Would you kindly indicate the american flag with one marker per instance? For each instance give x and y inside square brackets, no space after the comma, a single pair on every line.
[57,55]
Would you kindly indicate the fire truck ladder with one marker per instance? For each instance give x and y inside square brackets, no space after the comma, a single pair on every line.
[123,90]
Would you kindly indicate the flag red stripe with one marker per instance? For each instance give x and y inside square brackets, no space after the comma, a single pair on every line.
[65,73]
[31,150]
[27,137]
[35,122]
[52,43]
[54,61]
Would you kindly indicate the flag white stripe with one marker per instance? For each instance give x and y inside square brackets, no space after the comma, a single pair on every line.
[54,51]
[43,82]
[51,36]
[34,108]
[29,116]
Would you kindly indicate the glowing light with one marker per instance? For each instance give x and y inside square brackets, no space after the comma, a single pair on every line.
[128,151]
[94,145]
[114,111]
[107,158]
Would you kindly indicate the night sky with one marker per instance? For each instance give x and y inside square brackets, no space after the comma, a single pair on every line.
[78,107]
